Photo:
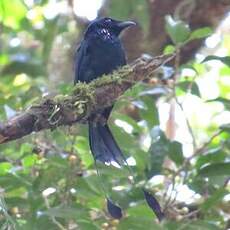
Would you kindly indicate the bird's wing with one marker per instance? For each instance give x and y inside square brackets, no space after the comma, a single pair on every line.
[82,69]
[77,62]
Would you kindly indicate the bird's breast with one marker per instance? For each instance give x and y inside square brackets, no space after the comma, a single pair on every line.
[107,56]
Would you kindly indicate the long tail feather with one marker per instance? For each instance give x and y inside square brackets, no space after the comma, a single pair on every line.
[103,145]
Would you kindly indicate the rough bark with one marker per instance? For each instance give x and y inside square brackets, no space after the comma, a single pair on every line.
[85,100]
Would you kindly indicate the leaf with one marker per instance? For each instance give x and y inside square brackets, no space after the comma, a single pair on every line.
[225,101]
[176,152]
[158,151]
[169,49]
[138,223]
[218,169]
[29,161]
[12,12]
[5,167]
[226,127]
[225,60]
[82,150]
[140,210]
[150,112]
[66,212]
[129,120]
[189,86]
[200,33]
[195,225]
[154,205]
[89,225]
[9,111]
[114,210]
[214,199]
[156,91]
[178,30]
[211,156]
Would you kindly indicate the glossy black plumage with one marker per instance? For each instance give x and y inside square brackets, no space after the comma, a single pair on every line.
[101,52]
[154,205]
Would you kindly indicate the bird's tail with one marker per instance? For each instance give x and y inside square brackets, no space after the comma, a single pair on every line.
[103,145]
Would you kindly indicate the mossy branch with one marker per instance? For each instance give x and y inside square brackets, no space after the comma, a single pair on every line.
[84,100]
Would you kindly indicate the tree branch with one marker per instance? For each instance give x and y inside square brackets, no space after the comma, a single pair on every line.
[84,100]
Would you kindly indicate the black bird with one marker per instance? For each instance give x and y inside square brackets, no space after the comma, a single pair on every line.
[101,52]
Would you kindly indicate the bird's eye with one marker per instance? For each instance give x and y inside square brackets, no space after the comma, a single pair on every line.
[108,19]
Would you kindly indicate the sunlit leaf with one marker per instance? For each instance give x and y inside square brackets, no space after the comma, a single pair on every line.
[5,167]
[29,161]
[225,101]
[178,30]
[225,60]
[169,49]
[200,33]
[189,86]
[12,12]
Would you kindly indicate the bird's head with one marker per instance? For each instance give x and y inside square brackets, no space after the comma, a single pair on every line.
[109,25]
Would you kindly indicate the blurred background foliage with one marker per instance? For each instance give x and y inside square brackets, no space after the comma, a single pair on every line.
[174,132]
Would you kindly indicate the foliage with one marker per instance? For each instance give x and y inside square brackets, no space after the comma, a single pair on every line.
[48,180]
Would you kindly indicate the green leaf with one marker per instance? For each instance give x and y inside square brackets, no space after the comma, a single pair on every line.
[149,113]
[218,169]
[140,210]
[226,127]
[198,225]
[214,199]
[82,150]
[225,60]
[169,49]
[5,168]
[129,120]
[66,212]
[89,225]
[225,101]
[29,161]
[211,156]
[176,152]
[178,30]
[189,86]
[12,12]
[140,223]
[158,151]
[200,33]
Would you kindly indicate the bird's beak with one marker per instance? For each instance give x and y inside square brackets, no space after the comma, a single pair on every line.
[125,24]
